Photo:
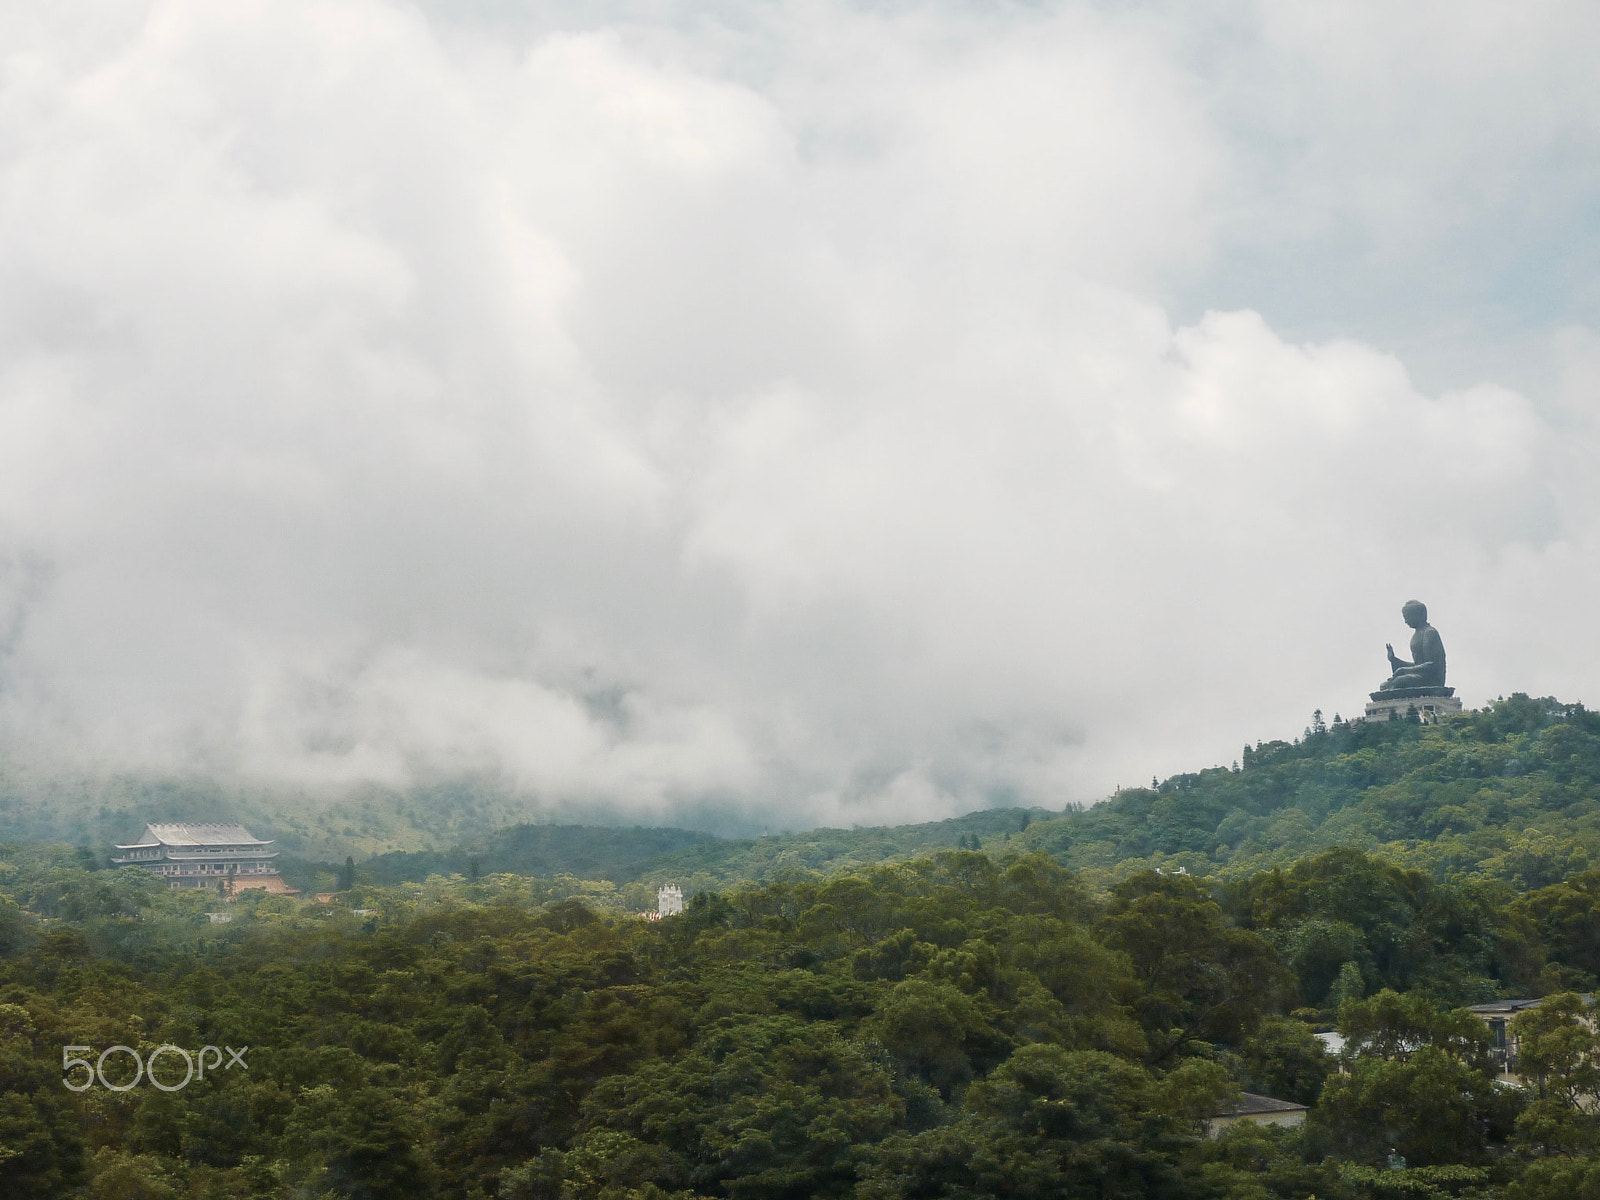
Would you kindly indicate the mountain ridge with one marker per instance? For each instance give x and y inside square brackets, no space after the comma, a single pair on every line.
[1510,791]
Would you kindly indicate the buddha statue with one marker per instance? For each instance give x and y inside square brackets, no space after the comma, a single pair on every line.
[1424,674]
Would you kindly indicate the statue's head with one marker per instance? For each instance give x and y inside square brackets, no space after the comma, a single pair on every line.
[1414,613]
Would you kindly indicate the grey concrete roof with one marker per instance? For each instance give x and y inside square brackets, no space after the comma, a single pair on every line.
[1252,1105]
[1503,1006]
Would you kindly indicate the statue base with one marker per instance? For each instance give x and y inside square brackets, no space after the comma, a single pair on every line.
[1429,704]
[1405,693]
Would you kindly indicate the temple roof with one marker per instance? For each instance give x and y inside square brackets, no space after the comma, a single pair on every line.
[196,835]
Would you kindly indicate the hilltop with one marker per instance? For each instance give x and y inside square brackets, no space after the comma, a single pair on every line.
[1511,792]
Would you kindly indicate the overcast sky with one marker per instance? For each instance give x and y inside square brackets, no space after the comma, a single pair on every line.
[826,412]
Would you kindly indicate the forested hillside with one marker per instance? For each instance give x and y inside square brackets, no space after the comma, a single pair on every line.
[44,804]
[1511,792]
[699,860]
[950,1027]
[1035,1012]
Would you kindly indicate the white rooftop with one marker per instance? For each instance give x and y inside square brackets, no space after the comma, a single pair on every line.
[196,835]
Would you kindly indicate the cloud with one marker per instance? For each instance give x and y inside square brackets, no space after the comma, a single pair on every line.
[799,416]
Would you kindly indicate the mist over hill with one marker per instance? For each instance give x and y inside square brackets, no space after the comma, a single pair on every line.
[1509,792]
[1371,878]
[85,808]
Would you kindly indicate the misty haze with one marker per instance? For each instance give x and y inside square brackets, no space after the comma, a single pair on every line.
[550,548]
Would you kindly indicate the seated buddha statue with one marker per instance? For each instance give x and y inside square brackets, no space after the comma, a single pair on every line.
[1426,668]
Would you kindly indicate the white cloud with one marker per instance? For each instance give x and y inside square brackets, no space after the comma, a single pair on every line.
[786,412]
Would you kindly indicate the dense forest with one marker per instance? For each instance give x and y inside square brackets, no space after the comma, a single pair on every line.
[1035,1011]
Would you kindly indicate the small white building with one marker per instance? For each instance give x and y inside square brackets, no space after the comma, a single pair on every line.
[669,900]
[1258,1110]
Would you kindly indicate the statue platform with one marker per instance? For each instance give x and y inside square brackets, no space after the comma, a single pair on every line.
[1406,693]
[1429,703]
